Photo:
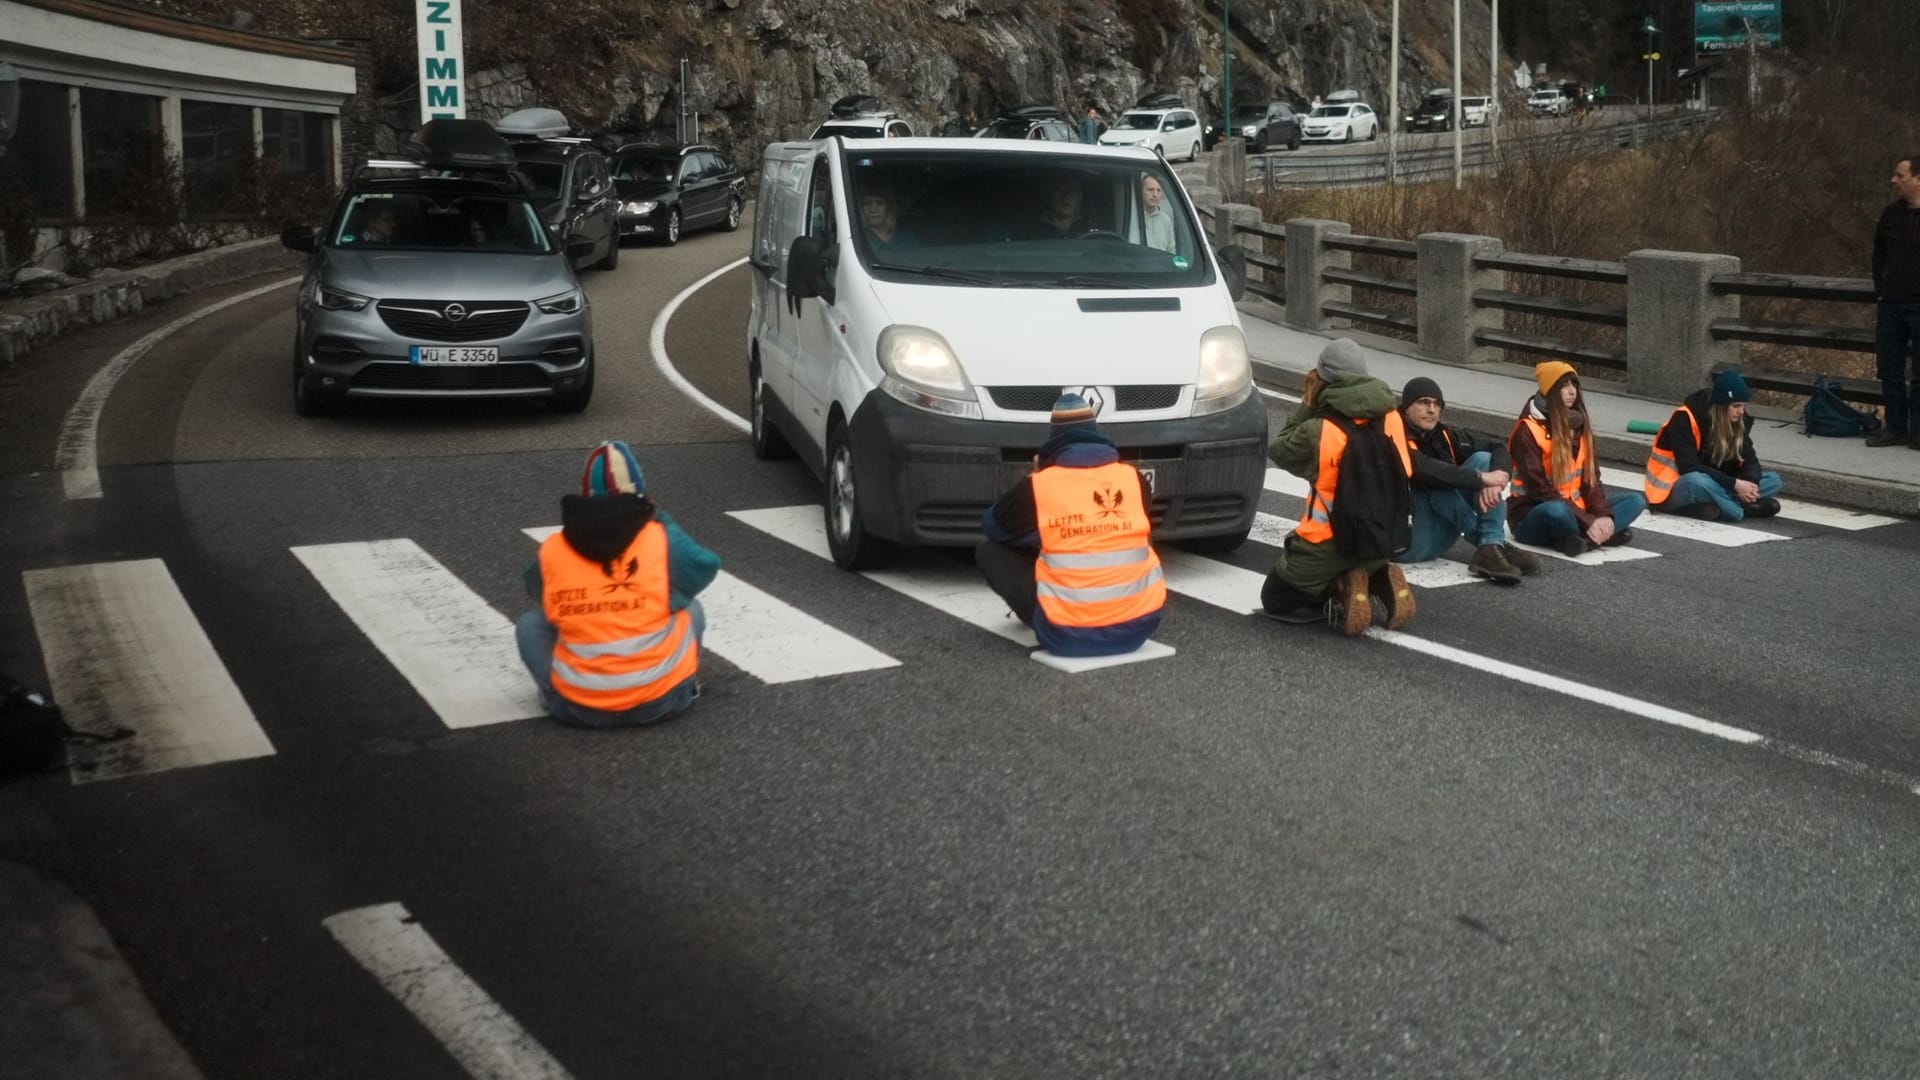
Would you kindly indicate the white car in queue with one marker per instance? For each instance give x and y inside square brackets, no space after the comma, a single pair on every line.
[919,304]
[1340,123]
[1175,134]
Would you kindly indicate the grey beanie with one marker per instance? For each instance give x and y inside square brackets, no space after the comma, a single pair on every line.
[1342,356]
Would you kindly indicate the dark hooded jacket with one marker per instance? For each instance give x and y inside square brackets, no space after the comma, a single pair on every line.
[601,527]
[1677,438]
[1530,468]
[1896,253]
[1439,454]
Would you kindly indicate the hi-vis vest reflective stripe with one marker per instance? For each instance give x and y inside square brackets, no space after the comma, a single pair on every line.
[1572,486]
[1318,526]
[1662,470]
[619,645]
[1096,566]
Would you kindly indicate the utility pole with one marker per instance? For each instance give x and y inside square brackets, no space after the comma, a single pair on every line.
[1459,134]
[1226,70]
[1650,58]
[1393,100]
[683,130]
[1493,84]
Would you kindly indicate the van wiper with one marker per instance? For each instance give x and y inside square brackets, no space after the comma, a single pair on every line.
[971,277]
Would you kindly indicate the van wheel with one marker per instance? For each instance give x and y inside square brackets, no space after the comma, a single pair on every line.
[768,443]
[1217,545]
[853,547]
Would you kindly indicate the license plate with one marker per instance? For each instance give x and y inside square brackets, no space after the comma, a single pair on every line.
[1148,473]
[455,354]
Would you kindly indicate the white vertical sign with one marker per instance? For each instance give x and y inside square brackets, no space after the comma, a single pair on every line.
[442,86]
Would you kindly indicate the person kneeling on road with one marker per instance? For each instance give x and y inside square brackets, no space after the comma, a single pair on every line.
[1340,406]
[1557,499]
[1458,490]
[616,639]
[1067,547]
[1703,464]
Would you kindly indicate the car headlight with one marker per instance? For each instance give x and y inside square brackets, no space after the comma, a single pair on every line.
[922,371]
[1226,378]
[646,207]
[566,303]
[339,299]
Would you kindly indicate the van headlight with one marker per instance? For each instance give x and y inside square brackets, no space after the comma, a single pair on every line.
[921,370]
[1226,378]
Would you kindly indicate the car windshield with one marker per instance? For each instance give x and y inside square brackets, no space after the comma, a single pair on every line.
[1007,127]
[1019,220]
[427,221]
[1139,121]
[1331,110]
[1247,114]
[545,176]
[650,167]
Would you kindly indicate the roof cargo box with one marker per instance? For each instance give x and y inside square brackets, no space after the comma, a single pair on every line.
[857,105]
[459,144]
[1160,99]
[533,124]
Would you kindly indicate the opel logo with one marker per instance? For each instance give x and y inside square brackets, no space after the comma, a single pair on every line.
[455,312]
[1093,398]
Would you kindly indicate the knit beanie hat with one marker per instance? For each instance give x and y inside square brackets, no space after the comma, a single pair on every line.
[1549,373]
[1418,387]
[612,470]
[1069,412]
[1342,356]
[1729,386]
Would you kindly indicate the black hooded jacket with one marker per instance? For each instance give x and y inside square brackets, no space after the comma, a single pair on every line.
[1438,457]
[1896,253]
[1677,438]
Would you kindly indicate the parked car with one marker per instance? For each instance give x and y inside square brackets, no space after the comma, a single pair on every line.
[571,186]
[435,276]
[1340,123]
[1171,132]
[1478,111]
[862,116]
[1042,122]
[1433,113]
[668,190]
[1269,125]
[1550,101]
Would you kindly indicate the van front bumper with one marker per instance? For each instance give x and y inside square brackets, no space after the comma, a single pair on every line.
[925,478]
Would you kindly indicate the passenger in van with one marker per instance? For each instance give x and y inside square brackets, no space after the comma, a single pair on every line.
[1157,222]
[1703,464]
[880,213]
[1061,216]
[1067,548]
[1557,500]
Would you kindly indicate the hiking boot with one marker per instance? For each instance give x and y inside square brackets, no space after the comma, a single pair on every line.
[1766,507]
[1352,607]
[1521,559]
[1887,438]
[1705,511]
[1490,562]
[1619,538]
[1390,585]
[1571,544]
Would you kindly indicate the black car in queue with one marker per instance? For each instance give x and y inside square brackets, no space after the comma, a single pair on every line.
[573,193]
[668,190]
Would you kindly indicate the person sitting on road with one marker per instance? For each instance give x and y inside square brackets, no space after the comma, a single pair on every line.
[616,638]
[1311,571]
[881,216]
[1157,220]
[1557,500]
[1458,490]
[1067,547]
[1061,217]
[1703,464]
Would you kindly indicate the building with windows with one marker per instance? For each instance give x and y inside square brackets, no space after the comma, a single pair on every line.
[104,87]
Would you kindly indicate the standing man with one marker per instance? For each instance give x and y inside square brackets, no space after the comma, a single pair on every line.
[1091,126]
[1896,283]
[1067,547]
[1458,490]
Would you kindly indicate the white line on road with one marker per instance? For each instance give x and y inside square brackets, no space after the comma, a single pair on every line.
[1277,394]
[122,648]
[77,453]
[486,1041]
[1791,509]
[658,342]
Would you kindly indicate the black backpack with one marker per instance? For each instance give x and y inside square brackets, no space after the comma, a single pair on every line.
[1826,413]
[1372,515]
[33,733]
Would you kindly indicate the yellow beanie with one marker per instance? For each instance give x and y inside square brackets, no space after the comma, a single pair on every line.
[1551,372]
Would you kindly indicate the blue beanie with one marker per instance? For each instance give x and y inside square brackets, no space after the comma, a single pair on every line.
[612,470]
[1729,386]
[1071,411]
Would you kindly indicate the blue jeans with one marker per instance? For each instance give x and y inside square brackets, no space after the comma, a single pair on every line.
[1696,487]
[1896,336]
[537,637]
[1443,515]
[1550,521]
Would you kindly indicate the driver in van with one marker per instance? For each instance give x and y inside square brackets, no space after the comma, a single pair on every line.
[880,213]
[1061,218]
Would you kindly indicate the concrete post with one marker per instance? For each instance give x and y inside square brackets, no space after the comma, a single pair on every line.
[1228,168]
[1226,218]
[1447,281]
[1306,260]
[1670,307]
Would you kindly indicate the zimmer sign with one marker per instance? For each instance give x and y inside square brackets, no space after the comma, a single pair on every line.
[442,90]
[1725,25]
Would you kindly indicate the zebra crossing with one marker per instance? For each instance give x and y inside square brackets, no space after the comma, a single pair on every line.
[122,647]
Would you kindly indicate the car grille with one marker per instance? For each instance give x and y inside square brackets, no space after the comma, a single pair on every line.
[426,320]
[954,521]
[385,376]
[1126,398]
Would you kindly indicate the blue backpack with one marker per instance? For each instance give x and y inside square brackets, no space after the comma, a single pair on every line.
[1827,414]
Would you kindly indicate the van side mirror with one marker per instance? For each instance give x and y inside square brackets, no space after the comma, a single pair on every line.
[1233,265]
[298,238]
[809,271]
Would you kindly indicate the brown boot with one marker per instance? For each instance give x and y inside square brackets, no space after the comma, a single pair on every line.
[1353,603]
[1521,559]
[1490,562]
[1390,584]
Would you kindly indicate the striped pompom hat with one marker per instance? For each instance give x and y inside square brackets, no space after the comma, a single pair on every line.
[612,470]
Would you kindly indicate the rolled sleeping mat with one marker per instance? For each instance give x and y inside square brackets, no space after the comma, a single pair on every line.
[1643,427]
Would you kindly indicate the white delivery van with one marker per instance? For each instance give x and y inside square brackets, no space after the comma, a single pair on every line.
[918,305]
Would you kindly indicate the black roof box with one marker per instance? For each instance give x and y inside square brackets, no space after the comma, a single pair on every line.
[1035,112]
[1160,99]
[856,105]
[460,144]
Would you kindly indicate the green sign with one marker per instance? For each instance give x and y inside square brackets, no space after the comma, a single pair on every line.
[1726,25]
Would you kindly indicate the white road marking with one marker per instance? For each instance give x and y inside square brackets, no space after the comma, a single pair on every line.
[1286,483]
[1598,557]
[456,650]
[768,638]
[481,1036]
[1211,581]
[1832,517]
[1723,534]
[123,649]
[1271,529]
[1277,394]
[76,454]
[657,340]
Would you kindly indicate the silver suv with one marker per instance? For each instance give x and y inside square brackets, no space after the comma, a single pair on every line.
[435,277]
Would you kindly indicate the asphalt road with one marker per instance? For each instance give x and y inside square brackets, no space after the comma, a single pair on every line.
[1276,853]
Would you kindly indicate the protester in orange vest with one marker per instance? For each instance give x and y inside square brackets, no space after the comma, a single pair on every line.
[1068,547]
[1557,500]
[1703,464]
[1312,574]
[616,638]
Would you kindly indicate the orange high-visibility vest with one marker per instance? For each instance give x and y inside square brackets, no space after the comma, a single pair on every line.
[1572,486]
[1662,470]
[620,646]
[1096,567]
[1318,526]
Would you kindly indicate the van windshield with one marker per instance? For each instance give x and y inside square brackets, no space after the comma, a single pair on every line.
[396,220]
[1016,220]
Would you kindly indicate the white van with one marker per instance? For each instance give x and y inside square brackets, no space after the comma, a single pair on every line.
[914,316]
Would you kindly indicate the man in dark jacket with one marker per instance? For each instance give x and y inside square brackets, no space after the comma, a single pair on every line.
[1896,283]
[1459,490]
